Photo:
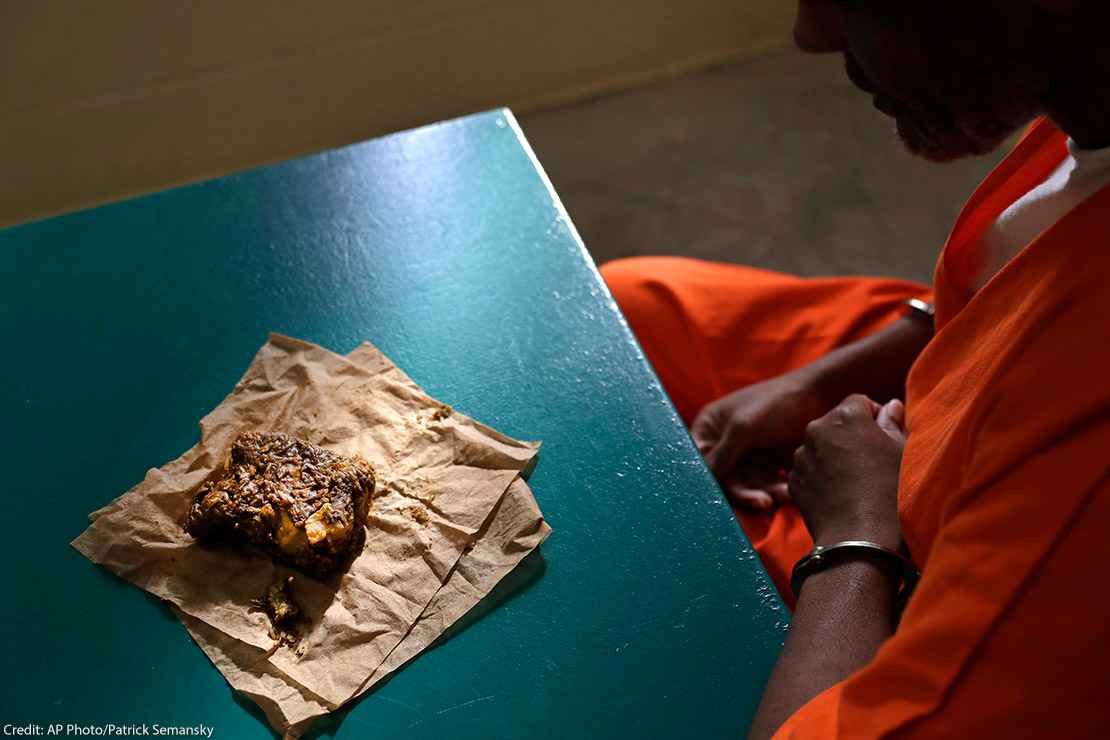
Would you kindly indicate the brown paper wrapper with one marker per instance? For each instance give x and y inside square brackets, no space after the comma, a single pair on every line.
[449,519]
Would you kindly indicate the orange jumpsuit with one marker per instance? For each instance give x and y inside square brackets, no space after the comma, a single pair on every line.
[1004,498]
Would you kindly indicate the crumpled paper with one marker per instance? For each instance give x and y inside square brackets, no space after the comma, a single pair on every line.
[450,518]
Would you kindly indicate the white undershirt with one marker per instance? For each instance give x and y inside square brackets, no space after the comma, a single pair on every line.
[1082,174]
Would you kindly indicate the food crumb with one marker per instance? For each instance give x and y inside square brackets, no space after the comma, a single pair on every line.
[417,513]
[286,617]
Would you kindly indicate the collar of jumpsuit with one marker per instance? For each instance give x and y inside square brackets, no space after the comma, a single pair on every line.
[1081,174]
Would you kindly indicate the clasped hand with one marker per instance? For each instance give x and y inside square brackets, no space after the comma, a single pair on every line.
[770,443]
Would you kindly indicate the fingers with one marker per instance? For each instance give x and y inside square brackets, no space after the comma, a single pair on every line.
[757,485]
[704,432]
[892,420]
[892,416]
[851,411]
[750,499]
[722,458]
[857,405]
[780,492]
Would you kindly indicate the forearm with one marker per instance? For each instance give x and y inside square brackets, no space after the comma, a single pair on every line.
[843,615]
[875,366]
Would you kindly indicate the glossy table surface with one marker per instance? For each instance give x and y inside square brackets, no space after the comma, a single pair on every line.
[646,614]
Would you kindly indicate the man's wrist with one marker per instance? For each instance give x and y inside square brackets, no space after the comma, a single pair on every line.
[884,573]
[815,382]
[824,379]
[875,365]
[885,535]
[889,562]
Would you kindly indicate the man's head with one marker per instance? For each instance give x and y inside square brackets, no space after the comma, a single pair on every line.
[958,76]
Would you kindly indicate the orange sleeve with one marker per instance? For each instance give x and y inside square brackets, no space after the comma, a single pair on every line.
[1008,634]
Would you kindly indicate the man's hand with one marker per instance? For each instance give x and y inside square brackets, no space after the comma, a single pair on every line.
[845,476]
[845,482]
[747,437]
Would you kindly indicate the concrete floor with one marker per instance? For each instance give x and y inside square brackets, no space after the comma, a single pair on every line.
[777,162]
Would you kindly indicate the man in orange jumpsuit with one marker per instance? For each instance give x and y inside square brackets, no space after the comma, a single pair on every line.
[993,479]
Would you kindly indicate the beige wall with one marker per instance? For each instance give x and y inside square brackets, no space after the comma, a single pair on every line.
[105,99]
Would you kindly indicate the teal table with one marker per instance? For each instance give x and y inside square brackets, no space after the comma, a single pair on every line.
[646,614]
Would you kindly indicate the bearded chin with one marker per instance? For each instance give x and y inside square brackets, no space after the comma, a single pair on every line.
[941,140]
